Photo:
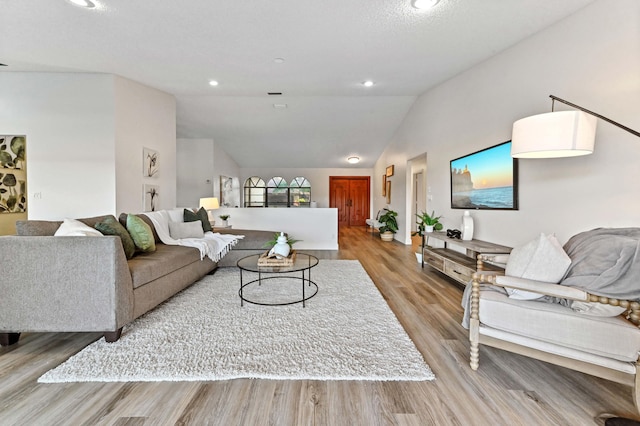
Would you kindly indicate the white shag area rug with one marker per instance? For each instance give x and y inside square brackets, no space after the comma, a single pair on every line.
[346,332]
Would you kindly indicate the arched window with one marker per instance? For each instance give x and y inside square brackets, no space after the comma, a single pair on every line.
[254,192]
[277,192]
[300,192]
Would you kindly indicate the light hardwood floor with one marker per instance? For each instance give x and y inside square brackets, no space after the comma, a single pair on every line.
[507,389]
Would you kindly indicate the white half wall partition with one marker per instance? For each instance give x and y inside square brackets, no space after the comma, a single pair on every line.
[316,228]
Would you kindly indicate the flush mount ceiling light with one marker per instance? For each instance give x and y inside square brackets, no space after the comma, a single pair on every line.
[424,4]
[353,159]
[280,106]
[367,83]
[278,60]
[213,83]
[84,3]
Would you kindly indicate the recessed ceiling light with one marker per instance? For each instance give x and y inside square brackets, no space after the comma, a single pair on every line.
[84,3]
[213,83]
[278,60]
[424,4]
[367,83]
[353,159]
[279,106]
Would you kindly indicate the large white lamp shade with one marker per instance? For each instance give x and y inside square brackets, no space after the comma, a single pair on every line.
[210,203]
[555,134]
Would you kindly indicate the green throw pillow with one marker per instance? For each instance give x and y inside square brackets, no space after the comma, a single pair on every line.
[110,226]
[201,215]
[141,234]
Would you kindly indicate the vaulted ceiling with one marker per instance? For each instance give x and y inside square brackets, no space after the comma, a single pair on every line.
[316,53]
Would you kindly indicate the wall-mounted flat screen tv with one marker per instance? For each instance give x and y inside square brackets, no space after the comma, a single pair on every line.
[485,180]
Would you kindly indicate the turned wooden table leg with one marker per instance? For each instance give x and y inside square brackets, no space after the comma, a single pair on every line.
[474,325]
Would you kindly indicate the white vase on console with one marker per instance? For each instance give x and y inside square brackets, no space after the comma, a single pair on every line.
[467,226]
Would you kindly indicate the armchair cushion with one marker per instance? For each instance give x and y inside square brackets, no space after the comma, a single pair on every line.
[542,259]
[596,309]
[612,337]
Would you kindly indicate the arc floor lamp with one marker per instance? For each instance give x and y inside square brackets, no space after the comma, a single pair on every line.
[558,134]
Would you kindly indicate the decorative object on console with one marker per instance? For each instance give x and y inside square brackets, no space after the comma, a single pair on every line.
[429,222]
[150,162]
[454,233]
[467,226]
[389,225]
[210,203]
[558,134]
[485,180]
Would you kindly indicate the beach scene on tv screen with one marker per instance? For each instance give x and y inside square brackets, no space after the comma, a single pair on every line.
[483,179]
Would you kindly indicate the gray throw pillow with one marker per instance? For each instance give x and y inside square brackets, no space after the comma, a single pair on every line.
[180,230]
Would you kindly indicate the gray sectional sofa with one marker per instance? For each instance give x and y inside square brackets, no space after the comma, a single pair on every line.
[86,284]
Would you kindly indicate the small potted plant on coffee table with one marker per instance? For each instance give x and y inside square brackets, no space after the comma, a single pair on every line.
[389,225]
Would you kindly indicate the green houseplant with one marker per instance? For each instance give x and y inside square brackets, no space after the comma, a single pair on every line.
[272,242]
[389,225]
[426,223]
[224,218]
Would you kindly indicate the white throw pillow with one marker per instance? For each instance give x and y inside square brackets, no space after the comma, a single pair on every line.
[75,228]
[180,230]
[542,259]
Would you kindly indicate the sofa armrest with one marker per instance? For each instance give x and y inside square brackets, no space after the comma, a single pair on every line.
[548,289]
[64,284]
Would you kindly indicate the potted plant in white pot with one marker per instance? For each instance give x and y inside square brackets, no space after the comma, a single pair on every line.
[224,218]
[389,225]
[426,223]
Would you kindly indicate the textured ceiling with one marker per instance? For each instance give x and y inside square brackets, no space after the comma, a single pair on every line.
[330,47]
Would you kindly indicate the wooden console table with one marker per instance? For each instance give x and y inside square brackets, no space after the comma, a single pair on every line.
[457,265]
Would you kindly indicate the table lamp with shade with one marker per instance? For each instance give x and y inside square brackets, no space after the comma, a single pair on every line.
[210,203]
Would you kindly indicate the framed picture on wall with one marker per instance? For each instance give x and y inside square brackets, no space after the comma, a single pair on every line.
[150,162]
[384,185]
[388,192]
[226,192]
[390,170]
[151,197]
[13,174]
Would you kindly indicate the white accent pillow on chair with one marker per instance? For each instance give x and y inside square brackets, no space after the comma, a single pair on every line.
[542,259]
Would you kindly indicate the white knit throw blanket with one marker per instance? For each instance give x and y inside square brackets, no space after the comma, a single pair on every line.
[213,245]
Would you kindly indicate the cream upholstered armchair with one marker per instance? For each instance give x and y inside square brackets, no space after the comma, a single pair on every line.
[563,324]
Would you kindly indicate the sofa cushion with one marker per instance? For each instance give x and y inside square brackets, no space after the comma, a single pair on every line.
[75,228]
[179,230]
[147,267]
[141,233]
[612,337]
[110,226]
[201,215]
[123,221]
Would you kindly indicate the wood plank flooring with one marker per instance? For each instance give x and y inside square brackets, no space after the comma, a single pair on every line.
[507,389]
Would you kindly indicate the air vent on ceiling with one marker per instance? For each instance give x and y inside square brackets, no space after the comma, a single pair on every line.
[274,93]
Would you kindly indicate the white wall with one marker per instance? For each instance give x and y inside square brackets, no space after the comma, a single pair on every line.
[316,228]
[194,159]
[85,134]
[319,178]
[592,59]
[69,123]
[145,118]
